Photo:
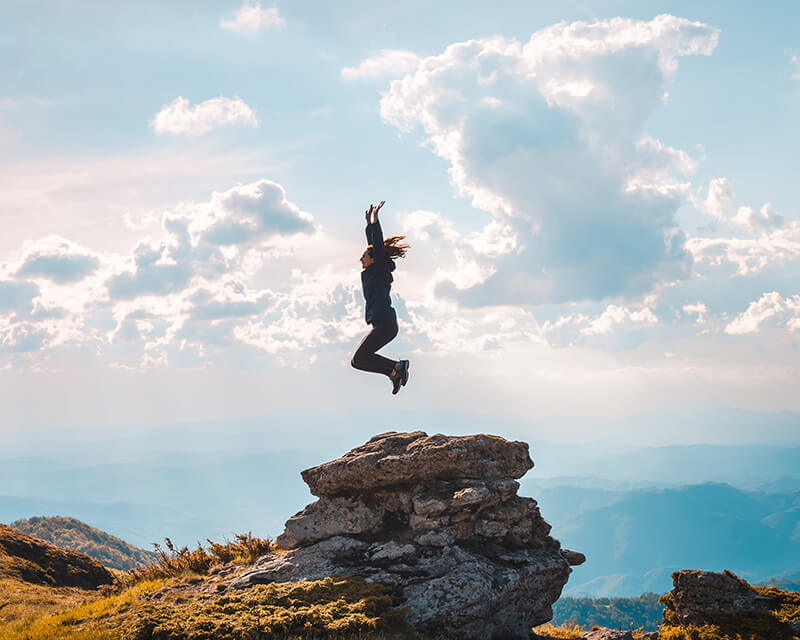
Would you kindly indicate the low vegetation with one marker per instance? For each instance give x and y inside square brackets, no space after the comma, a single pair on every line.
[180,597]
[244,549]
[566,630]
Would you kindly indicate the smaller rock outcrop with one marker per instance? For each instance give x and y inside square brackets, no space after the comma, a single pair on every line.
[730,607]
[703,597]
[436,518]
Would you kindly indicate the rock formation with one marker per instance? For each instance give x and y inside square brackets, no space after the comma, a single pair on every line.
[729,605]
[438,519]
[704,597]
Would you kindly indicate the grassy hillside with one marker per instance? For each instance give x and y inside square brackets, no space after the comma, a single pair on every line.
[29,560]
[37,578]
[69,533]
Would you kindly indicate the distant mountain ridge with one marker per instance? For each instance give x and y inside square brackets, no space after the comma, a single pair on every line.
[70,533]
[634,543]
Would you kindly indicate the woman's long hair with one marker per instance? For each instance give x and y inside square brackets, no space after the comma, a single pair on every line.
[394,248]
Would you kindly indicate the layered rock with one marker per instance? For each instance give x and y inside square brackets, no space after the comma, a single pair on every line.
[439,519]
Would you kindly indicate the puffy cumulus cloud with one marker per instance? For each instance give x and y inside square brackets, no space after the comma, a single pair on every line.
[386,62]
[159,269]
[548,137]
[180,118]
[249,214]
[770,306]
[749,253]
[719,197]
[207,240]
[616,315]
[748,238]
[57,259]
[615,327]
[251,18]
[221,280]
[766,219]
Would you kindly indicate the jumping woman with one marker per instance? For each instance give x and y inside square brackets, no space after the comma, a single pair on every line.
[377,262]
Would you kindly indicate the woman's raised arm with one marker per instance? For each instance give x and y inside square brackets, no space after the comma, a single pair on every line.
[374,231]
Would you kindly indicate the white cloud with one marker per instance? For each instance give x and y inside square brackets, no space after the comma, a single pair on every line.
[749,255]
[766,219]
[251,18]
[616,315]
[548,137]
[796,62]
[770,305]
[179,118]
[386,62]
[718,198]
[57,259]
[698,308]
[249,214]
[222,280]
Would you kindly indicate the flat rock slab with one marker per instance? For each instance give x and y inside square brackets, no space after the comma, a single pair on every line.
[393,458]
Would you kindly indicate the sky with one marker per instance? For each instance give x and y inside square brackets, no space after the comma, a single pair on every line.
[599,196]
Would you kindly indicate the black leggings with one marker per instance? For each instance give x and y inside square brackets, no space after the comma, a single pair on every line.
[365,357]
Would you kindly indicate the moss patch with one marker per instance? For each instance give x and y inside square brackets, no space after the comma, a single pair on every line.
[179,609]
[332,607]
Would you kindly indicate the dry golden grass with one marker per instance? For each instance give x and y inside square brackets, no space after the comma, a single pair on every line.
[174,609]
[244,549]
[22,601]
[92,619]
[561,631]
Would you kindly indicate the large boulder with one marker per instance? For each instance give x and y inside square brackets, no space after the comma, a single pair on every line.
[438,519]
[392,458]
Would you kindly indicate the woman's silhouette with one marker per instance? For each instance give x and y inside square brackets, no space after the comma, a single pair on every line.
[377,262]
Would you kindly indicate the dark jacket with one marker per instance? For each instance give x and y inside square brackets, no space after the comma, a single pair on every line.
[376,279]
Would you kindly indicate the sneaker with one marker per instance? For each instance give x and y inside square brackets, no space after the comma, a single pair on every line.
[397,380]
[400,377]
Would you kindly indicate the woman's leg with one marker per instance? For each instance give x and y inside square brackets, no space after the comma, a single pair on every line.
[365,357]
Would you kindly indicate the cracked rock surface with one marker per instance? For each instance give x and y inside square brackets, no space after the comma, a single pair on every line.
[437,518]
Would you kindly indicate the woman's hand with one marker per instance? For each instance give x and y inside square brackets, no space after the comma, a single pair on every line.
[373,211]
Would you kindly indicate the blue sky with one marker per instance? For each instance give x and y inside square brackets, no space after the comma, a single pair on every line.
[599,198]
